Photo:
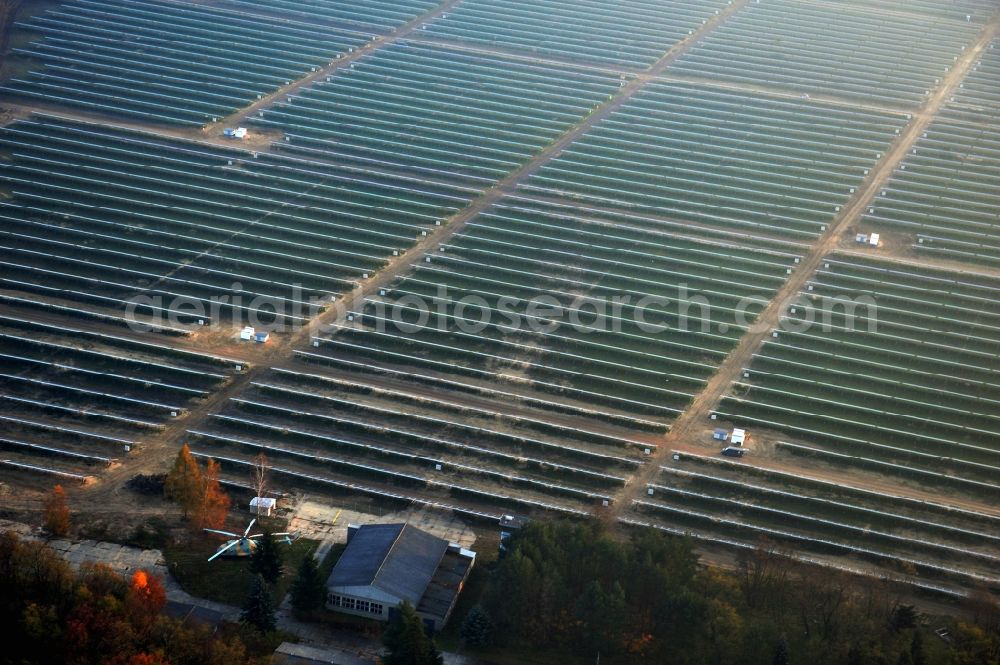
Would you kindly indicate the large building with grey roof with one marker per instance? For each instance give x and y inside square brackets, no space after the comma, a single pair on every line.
[385,564]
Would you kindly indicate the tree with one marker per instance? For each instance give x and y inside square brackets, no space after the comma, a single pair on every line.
[57,512]
[599,616]
[309,588]
[781,652]
[146,597]
[917,653]
[477,628]
[406,640]
[184,483]
[51,614]
[212,502]
[258,610]
[266,558]
[904,617]
[198,492]
[260,467]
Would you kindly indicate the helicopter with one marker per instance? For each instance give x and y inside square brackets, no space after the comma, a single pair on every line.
[245,545]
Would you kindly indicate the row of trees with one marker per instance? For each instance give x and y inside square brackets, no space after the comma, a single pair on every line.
[267,565]
[576,589]
[308,590]
[197,490]
[51,614]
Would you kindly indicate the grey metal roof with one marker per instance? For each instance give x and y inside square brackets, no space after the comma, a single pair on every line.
[397,559]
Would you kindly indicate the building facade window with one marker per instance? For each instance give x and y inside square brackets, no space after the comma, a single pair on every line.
[356,605]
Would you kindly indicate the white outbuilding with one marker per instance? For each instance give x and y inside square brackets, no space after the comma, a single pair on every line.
[262,506]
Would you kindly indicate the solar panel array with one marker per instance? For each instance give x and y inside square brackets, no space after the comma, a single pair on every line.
[910,376]
[817,49]
[437,111]
[944,199]
[166,62]
[350,429]
[518,250]
[75,400]
[978,96]
[763,165]
[380,15]
[101,215]
[718,500]
[632,33]
[656,236]
[976,11]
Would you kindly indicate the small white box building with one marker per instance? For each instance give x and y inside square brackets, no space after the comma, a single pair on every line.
[873,240]
[738,437]
[247,333]
[260,505]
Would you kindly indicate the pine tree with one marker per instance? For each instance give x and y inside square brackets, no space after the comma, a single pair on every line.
[212,502]
[407,642]
[266,558]
[781,652]
[598,617]
[917,653]
[309,588]
[184,483]
[258,610]
[477,628]
[904,617]
[57,512]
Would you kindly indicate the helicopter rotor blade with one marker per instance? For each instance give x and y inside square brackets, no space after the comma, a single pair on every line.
[223,533]
[249,526]
[224,550]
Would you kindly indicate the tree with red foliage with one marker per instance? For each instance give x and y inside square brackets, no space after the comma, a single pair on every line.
[144,659]
[57,512]
[213,505]
[52,615]
[197,491]
[146,598]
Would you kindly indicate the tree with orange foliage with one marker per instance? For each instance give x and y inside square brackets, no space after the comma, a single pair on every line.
[213,505]
[146,597]
[184,483]
[147,659]
[57,512]
[51,614]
